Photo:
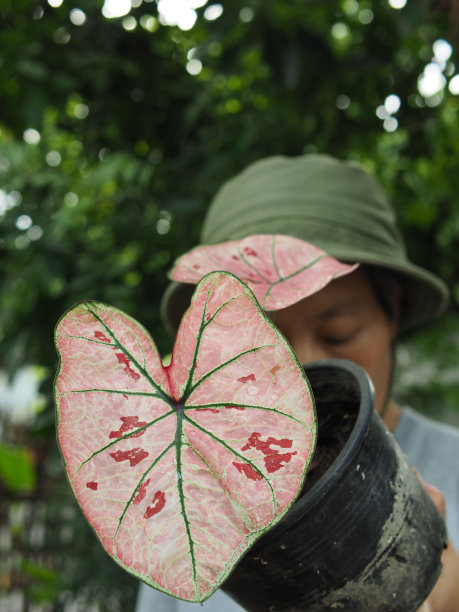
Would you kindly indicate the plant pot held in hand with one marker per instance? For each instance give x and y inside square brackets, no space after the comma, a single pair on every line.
[364,536]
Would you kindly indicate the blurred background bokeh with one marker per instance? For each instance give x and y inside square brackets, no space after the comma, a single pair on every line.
[118,122]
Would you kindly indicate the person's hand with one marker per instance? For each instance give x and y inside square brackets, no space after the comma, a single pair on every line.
[444,597]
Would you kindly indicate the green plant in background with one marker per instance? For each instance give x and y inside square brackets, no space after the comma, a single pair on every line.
[114,134]
[17,469]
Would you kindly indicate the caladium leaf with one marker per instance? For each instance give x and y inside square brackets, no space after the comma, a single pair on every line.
[179,469]
[280,270]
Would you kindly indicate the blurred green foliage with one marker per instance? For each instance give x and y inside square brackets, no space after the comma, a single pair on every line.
[17,468]
[115,134]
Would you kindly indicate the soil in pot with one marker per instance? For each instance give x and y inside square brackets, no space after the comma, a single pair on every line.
[335,423]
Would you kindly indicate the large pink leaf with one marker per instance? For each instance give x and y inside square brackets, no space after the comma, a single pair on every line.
[180,469]
[280,270]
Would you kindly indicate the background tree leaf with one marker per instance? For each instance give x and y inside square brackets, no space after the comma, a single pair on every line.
[17,469]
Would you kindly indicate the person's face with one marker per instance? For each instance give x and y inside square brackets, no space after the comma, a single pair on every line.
[343,320]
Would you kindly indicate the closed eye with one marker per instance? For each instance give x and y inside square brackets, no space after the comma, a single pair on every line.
[338,340]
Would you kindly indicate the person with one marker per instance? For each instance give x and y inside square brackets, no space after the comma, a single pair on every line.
[341,208]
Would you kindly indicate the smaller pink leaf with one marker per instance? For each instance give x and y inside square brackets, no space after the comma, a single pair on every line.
[280,270]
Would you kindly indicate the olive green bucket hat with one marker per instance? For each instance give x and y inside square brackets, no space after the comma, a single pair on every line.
[332,204]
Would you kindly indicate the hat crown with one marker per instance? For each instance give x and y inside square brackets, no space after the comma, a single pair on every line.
[333,204]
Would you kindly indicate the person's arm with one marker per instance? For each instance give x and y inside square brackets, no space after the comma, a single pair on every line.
[445,594]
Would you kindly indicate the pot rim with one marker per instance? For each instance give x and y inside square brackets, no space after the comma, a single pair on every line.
[306,502]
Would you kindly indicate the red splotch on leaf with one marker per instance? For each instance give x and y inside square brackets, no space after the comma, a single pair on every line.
[275,369]
[196,266]
[141,492]
[137,434]
[102,337]
[235,257]
[134,456]
[127,366]
[277,460]
[125,396]
[273,459]
[255,441]
[249,252]
[129,422]
[214,410]
[158,503]
[247,470]
[92,485]
[208,316]
[245,379]
[235,407]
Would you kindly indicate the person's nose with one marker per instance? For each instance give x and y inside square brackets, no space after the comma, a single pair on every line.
[308,349]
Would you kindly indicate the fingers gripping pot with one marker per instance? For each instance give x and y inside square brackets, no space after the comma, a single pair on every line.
[364,536]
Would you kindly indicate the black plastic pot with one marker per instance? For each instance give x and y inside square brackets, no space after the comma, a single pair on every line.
[364,538]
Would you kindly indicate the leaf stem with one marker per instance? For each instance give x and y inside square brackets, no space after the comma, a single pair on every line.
[235,453]
[178,458]
[191,388]
[128,435]
[293,274]
[142,369]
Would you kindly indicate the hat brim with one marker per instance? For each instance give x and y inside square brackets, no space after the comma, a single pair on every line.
[424,296]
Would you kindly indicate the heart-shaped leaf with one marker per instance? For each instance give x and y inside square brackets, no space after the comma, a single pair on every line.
[180,469]
[280,270]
